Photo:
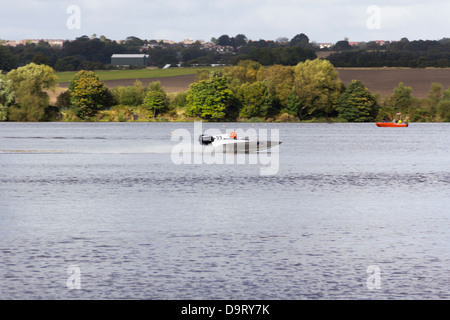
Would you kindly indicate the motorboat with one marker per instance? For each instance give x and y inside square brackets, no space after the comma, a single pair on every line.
[231,143]
[397,122]
[391,124]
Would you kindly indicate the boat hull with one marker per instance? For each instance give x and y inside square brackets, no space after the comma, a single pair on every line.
[390,124]
[244,146]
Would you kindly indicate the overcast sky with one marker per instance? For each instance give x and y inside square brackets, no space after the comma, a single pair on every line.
[320,20]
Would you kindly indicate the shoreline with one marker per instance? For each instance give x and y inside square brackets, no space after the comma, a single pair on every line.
[378,80]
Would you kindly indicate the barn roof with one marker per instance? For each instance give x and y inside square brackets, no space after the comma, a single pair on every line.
[116,55]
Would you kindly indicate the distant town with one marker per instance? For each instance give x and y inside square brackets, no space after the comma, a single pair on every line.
[186,42]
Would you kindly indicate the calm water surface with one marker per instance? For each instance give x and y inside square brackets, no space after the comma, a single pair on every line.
[107,198]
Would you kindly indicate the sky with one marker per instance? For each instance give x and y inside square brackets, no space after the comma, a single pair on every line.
[321,20]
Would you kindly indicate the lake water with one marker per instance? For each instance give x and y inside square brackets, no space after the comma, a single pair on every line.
[102,211]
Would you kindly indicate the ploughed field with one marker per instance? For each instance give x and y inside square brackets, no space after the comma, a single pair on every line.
[384,80]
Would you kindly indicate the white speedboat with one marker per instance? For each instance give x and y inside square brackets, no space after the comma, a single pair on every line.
[231,143]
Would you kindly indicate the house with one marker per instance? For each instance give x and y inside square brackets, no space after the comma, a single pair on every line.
[127,60]
[325,45]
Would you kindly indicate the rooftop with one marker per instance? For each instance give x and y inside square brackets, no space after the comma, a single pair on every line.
[118,55]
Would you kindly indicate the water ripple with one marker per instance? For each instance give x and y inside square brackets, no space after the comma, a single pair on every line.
[415,180]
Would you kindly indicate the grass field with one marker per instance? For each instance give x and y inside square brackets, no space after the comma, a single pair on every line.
[136,74]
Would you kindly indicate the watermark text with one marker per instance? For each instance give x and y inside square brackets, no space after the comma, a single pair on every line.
[374,280]
[374,19]
[73,22]
[74,279]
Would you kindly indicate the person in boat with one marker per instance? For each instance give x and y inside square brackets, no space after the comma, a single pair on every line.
[233,136]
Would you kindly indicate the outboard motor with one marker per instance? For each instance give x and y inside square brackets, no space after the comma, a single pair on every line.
[205,139]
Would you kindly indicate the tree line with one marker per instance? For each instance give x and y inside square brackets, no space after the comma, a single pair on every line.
[249,91]
[94,53]
[404,53]
[24,96]
[308,91]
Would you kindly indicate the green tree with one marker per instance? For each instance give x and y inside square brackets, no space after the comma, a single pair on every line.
[436,92]
[130,95]
[29,83]
[356,104]
[318,87]
[443,107]
[253,98]
[88,94]
[282,80]
[210,99]
[443,110]
[402,97]
[156,100]
[430,103]
[294,106]
[6,97]
[245,71]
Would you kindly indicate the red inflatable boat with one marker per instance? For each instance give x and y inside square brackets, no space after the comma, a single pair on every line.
[391,124]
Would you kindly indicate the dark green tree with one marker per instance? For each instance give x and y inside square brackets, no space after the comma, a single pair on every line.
[357,104]
[40,58]
[300,40]
[88,94]
[7,97]
[239,40]
[294,106]
[224,40]
[7,59]
[342,46]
